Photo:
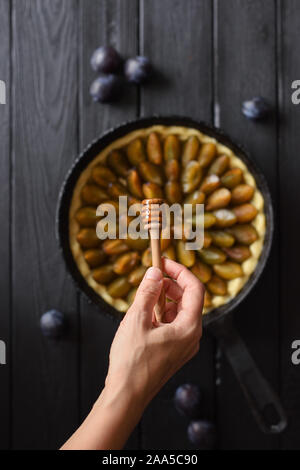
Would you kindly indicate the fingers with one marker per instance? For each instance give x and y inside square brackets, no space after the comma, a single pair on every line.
[189,316]
[180,273]
[170,312]
[193,293]
[172,289]
[147,294]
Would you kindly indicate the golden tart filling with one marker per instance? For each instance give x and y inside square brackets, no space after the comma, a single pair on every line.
[180,165]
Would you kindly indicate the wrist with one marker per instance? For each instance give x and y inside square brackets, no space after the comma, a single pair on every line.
[119,397]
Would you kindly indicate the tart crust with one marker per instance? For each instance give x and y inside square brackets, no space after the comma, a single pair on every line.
[183,133]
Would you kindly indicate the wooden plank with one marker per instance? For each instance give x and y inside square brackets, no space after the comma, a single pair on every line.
[45,373]
[246,67]
[289,167]
[177,37]
[102,22]
[5,224]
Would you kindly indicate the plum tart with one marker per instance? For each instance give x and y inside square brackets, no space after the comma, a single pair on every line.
[180,165]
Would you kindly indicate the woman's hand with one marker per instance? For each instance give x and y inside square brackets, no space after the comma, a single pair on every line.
[144,355]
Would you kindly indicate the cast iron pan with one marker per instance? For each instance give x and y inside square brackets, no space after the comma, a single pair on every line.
[263,401]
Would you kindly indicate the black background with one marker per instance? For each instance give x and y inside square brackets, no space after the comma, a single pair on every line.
[211,55]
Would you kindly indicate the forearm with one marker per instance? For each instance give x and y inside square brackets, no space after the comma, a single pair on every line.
[110,422]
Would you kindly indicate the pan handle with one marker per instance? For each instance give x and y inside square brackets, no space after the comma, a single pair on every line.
[263,401]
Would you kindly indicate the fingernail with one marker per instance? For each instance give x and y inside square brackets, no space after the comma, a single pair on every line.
[154,273]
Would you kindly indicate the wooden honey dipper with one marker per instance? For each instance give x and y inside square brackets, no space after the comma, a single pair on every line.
[152,218]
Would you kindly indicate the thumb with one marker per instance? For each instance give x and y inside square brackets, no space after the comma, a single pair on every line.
[148,293]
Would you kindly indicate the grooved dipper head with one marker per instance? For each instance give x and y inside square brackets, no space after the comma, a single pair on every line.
[151,213]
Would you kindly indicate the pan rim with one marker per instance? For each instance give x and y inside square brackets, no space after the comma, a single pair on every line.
[99,143]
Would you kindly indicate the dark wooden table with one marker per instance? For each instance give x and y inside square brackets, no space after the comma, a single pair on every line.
[211,56]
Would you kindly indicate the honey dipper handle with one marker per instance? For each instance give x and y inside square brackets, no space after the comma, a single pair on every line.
[156,254]
[157,263]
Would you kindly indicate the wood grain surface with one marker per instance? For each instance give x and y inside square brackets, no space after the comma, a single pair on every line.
[108,22]
[178,38]
[45,373]
[289,218]
[5,272]
[245,61]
